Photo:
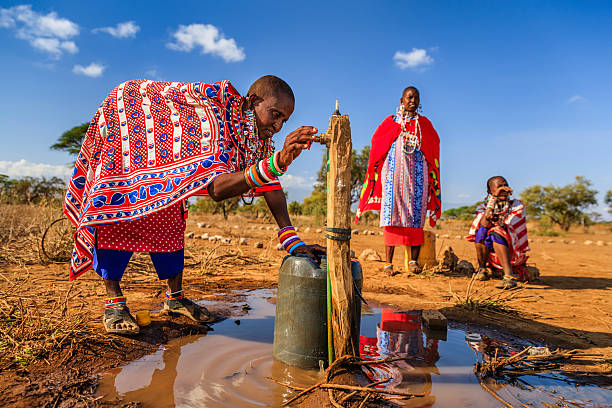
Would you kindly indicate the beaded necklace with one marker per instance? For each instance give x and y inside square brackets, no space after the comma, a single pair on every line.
[412,141]
[255,148]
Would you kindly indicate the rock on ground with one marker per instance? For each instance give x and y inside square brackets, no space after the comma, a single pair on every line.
[189,235]
[465,268]
[450,260]
[369,254]
[243,241]
[259,244]
[588,242]
[201,225]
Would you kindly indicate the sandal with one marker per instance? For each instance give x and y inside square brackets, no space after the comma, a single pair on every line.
[188,308]
[414,267]
[388,270]
[482,274]
[118,320]
[507,283]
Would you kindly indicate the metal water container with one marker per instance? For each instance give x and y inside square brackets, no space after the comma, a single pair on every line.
[300,327]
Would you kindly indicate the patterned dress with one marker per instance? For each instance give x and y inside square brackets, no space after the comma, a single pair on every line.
[405,188]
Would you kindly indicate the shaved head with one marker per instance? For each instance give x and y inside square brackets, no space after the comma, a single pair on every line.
[409,88]
[270,85]
[497,179]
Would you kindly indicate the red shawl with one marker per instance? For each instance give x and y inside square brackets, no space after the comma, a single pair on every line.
[383,138]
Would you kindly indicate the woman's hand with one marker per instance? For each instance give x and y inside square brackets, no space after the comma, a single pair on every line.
[502,191]
[314,251]
[295,142]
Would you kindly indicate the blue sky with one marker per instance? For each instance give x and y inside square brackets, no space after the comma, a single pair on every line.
[513,88]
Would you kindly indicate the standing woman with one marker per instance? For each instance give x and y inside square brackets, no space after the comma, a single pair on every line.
[403,178]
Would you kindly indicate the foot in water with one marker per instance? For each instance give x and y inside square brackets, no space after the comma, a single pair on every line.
[188,308]
[119,320]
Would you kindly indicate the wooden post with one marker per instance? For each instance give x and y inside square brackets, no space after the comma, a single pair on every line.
[344,324]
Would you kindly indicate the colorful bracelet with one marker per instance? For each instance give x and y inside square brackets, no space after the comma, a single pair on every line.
[178,295]
[491,202]
[262,172]
[289,239]
[114,301]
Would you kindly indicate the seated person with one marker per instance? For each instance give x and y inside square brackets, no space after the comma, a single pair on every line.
[500,234]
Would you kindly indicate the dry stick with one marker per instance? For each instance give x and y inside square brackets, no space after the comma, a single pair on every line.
[306,391]
[366,389]
[369,385]
[330,392]
[497,397]
[364,400]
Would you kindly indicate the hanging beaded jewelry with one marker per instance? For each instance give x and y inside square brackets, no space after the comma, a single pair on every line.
[412,141]
[255,147]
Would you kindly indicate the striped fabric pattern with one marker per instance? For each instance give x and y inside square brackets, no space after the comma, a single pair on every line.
[289,239]
[515,233]
[150,145]
[404,188]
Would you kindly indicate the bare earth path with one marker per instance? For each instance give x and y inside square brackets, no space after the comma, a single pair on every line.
[570,306]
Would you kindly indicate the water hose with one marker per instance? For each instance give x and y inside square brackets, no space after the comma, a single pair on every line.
[330,337]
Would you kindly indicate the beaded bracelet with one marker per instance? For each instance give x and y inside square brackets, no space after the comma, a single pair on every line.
[114,301]
[289,239]
[263,172]
[178,295]
[491,202]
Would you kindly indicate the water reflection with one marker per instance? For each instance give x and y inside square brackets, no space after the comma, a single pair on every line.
[231,366]
[401,335]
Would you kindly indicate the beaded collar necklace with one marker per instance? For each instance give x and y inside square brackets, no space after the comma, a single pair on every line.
[412,141]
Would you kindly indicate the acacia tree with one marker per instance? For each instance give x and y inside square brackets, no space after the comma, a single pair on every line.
[608,200]
[316,203]
[70,141]
[563,206]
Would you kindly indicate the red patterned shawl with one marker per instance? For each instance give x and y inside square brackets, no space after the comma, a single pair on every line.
[383,138]
[148,146]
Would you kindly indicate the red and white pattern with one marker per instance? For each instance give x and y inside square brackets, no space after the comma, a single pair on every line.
[162,231]
[515,232]
[149,146]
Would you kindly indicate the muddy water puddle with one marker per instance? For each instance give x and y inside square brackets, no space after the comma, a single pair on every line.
[228,367]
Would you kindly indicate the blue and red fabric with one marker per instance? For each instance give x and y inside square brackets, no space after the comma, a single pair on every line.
[150,145]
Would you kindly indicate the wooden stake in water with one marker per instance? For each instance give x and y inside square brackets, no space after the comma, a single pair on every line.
[344,324]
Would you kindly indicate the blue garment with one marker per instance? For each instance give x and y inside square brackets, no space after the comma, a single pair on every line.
[483,236]
[111,263]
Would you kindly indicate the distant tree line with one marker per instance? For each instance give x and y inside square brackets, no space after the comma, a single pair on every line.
[562,206]
[30,190]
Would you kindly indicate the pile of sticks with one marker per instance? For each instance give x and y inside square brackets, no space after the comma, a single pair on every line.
[521,363]
[342,396]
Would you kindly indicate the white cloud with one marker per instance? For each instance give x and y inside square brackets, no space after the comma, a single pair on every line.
[54,46]
[576,99]
[45,32]
[289,180]
[23,168]
[121,30]
[209,39]
[92,70]
[152,74]
[415,59]
[463,195]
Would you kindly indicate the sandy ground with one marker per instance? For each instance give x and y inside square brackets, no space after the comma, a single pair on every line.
[570,306]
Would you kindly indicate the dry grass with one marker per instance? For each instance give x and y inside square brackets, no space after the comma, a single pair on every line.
[34,328]
[21,230]
[500,301]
